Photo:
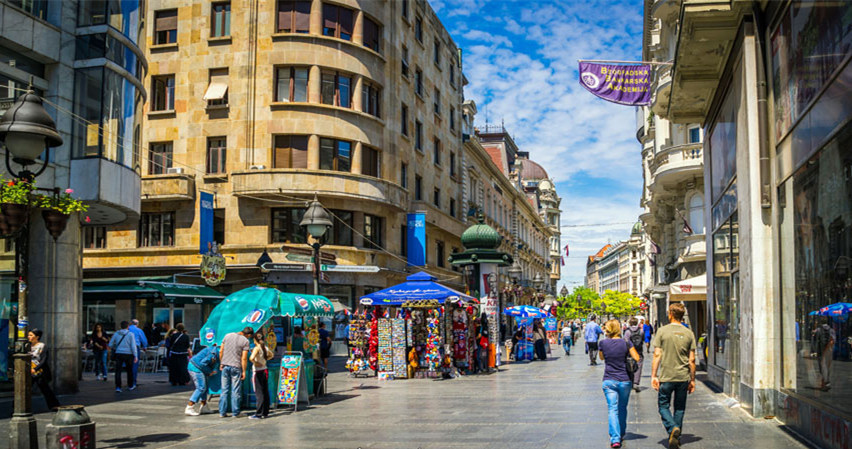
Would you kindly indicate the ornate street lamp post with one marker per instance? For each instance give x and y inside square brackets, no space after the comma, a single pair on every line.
[316,221]
[26,131]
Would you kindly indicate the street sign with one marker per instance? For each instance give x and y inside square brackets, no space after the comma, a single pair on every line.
[350,268]
[328,257]
[297,250]
[286,267]
[293,257]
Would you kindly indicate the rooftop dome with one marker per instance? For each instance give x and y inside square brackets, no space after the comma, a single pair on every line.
[481,236]
[637,228]
[532,170]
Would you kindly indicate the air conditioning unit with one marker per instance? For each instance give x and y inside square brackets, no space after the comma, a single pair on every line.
[174,170]
[257,167]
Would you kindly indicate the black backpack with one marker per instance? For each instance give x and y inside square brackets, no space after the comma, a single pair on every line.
[637,338]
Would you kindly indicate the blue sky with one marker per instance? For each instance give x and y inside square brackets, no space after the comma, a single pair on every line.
[521,60]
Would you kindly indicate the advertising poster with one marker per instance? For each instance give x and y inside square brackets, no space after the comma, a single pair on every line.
[525,346]
[416,237]
[288,389]
[205,212]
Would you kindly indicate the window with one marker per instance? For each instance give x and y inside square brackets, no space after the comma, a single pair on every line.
[219,226]
[159,158]
[217,88]
[294,17]
[291,84]
[164,93]
[337,90]
[436,156]
[341,229]
[437,55]
[337,21]
[403,117]
[370,97]
[221,20]
[436,198]
[452,118]
[418,29]
[453,75]
[403,240]
[437,102]
[165,27]
[335,155]
[405,8]
[418,188]
[370,162]
[418,136]
[696,214]
[405,61]
[290,152]
[36,8]
[94,237]
[452,164]
[403,175]
[285,225]
[439,253]
[694,134]
[156,229]
[453,207]
[372,34]
[372,231]
[216,152]
[418,82]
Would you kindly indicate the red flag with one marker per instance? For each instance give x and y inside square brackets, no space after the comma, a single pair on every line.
[563,261]
[566,250]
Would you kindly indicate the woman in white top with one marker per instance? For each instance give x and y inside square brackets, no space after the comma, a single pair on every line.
[259,355]
[39,368]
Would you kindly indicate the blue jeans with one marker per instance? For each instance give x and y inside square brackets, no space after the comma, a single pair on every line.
[232,387]
[566,344]
[617,396]
[200,381]
[100,363]
[664,400]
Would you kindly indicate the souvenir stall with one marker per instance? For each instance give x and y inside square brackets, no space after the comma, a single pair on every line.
[269,311]
[413,330]
[525,315]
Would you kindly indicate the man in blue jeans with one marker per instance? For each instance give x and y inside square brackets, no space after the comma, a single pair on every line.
[674,359]
[233,360]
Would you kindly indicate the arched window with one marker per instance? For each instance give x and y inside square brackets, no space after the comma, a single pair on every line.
[696,213]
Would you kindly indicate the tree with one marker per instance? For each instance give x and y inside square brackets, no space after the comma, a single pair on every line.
[619,304]
[579,304]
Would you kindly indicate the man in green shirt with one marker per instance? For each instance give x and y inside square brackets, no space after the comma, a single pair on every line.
[673,371]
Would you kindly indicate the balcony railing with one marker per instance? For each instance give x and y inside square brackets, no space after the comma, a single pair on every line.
[677,156]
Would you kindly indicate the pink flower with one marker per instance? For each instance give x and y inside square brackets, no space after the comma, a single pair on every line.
[88,220]
[69,191]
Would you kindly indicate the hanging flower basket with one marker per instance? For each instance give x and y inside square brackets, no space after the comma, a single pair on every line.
[15,216]
[57,209]
[55,222]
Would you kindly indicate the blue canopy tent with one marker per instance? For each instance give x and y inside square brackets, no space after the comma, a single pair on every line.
[839,309]
[418,290]
[525,312]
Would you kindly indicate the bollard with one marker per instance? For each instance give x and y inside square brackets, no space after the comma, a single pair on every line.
[71,428]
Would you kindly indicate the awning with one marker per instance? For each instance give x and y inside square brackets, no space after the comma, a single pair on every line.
[175,293]
[171,292]
[692,289]
[217,88]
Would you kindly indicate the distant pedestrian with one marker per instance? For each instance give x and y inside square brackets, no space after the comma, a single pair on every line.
[233,360]
[539,340]
[636,337]
[202,365]
[517,337]
[482,344]
[141,343]
[260,376]
[325,345]
[674,360]
[567,340]
[39,368]
[648,329]
[125,353]
[593,332]
[179,355]
[824,338]
[99,342]
[616,379]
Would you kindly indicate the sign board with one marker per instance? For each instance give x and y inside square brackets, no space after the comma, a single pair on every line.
[351,268]
[286,267]
[297,250]
[416,239]
[293,257]
[291,389]
[205,230]
[328,256]
[525,346]
[213,269]
[550,324]
[489,306]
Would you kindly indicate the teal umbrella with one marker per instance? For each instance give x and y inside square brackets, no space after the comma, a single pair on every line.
[250,307]
[294,304]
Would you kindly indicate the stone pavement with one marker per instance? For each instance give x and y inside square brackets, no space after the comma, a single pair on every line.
[555,404]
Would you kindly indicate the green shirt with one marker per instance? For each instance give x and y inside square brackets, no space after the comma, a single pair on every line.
[676,341]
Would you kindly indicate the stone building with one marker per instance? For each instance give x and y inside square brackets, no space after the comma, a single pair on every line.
[87,60]
[618,267]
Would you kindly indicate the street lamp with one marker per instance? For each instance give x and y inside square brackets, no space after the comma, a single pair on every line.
[564,292]
[316,221]
[515,271]
[26,130]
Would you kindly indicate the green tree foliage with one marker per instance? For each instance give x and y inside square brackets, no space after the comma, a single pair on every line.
[620,305]
[584,301]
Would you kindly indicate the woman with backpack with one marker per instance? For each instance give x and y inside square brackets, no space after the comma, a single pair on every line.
[617,379]
[636,335]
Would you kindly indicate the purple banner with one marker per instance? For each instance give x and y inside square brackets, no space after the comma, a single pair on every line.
[622,84]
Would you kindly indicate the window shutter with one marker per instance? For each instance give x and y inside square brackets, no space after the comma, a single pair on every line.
[299,151]
[345,21]
[166,20]
[282,152]
[303,17]
[371,34]
[285,16]
[329,16]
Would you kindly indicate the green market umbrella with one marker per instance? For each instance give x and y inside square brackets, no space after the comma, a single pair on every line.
[250,307]
[292,304]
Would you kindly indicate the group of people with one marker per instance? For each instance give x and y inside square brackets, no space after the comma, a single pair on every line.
[672,369]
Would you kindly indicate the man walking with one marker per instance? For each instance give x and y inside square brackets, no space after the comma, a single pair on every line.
[233,360]
[648,331]
[636,336]
[674,361]
[141,342]
[125,352]
[567,331]
[593,332]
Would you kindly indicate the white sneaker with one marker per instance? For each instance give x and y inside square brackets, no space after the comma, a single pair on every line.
[205,410]
[191,411]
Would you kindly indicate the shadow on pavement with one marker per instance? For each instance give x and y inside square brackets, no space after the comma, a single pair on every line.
[142,441]
[634,436]
[686,438]
[332,398]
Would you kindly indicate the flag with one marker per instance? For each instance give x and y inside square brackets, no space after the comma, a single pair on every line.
[563,261]
[655,249]
[566,250]
[651,260]
[628,84]
[687,229]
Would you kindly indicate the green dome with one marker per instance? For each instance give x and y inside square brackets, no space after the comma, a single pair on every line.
[637,228]
[481,236]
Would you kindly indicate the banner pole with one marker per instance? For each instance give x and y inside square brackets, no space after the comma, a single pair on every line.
[604,61]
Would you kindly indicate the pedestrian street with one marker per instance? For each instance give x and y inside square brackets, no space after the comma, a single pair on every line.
[556,403]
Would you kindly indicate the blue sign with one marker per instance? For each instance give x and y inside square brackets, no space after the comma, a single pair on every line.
[525,345]
[205,230]
[417,239]
[550,324]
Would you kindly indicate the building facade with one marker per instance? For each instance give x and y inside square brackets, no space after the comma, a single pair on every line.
[618,267]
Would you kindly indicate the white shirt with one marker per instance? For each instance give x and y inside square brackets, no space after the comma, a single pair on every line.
[566,331]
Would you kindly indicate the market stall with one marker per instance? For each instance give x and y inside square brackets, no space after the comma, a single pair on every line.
[525,316]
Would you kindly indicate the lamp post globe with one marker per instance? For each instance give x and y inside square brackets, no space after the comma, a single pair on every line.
[538,281]
[515,272]
[27,130]
[316,219]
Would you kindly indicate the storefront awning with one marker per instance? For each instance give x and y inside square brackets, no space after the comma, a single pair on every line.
[692,289]
[172,293]
[175,293]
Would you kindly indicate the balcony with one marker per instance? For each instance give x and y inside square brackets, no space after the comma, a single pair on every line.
[676,163]
[170,187]
[111,190]
[661,89]
[691,248]
[271,183]
[665,9]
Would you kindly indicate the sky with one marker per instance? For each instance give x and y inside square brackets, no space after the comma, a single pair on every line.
[520,58]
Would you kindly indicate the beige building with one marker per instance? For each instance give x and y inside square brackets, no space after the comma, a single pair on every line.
[618,266]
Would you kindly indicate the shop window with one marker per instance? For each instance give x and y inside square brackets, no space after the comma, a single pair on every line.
[372,34]
[165,27]
[219,226]
[159,158]
[285,225]
[336,90]
[335,155]
[103,314]
[291,84]
[370,97]
[373,231]
[156,229]
[725,290]
[337,21]
[341,229]
[294,17]
[403,175]
[439,253]
[371,162]
[94,237]
[163,88]
[290,152]
[221,17]
[217,148]
[217,88]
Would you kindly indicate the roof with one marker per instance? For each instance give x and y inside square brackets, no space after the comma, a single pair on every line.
[532,170]
[600,253]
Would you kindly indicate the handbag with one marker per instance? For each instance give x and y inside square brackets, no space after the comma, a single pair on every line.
[112,356]
[630,365]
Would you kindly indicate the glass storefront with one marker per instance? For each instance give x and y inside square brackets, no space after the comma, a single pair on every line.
[726,292]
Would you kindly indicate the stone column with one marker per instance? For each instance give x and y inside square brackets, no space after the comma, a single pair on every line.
[314,84]
[358,28]
[316,17]
[313,152]
[356,158]
[357,97]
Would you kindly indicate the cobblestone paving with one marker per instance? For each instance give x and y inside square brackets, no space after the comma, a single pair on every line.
[555,404]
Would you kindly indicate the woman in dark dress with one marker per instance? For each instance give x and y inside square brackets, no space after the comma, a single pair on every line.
[39,369]
[179,354]
[99,342]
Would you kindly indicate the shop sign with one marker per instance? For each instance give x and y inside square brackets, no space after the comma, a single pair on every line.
[286,267]
[490,306]
[293,257]
[213,269]
[351,268]
[296,250]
